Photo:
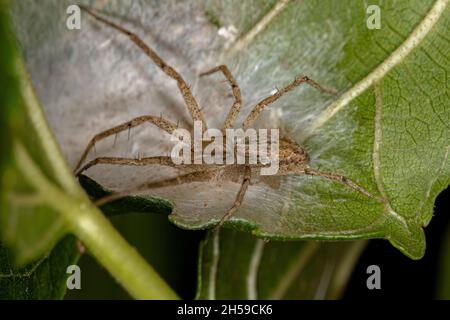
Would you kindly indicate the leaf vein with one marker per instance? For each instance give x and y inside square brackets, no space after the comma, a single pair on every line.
[257,29]
[376,159]
[397,56]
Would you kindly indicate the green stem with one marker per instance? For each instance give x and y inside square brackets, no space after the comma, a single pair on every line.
[98,234]
[123,262]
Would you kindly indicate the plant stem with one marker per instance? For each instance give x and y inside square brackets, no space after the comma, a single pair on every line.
[98,234]
[124,263]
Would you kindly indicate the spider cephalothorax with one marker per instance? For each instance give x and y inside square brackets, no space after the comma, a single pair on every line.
[293,158]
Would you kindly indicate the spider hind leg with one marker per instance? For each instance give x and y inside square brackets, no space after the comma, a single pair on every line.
[343,180]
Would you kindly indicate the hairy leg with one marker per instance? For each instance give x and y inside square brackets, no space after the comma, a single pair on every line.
[274,97]
[161,160]
[238,200]
[196,176]
[236,108]
[161,123]
[342,179]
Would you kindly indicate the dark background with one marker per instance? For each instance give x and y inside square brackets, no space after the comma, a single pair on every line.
[401,277]
[155,237]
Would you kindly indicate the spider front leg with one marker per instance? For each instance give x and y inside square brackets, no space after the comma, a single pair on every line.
[161,123]
[236,108]
[277,95]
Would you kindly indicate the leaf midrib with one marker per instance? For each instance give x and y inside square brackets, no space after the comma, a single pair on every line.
[376,155]
[397,56]
[257,28]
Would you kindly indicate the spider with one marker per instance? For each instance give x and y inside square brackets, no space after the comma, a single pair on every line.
[293,158]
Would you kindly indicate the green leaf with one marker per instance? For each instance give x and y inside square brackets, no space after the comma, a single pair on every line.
[392,114]
[43,279]
[387,130]
[234,265]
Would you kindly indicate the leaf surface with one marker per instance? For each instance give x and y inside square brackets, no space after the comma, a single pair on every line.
[388,129]
[43,279]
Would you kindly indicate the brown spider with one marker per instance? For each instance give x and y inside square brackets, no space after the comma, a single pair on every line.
[293,159]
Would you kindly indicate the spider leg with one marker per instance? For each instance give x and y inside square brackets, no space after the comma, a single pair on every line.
[274,97]
[342,179]
[163,124]
[236,108]
[189,99]
[161,160]
[196,176]
[239,199]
